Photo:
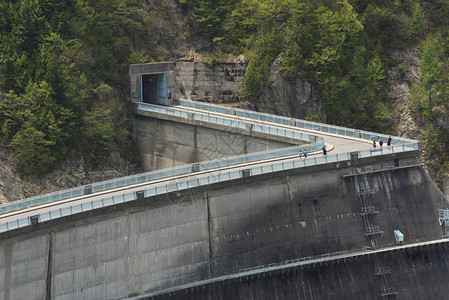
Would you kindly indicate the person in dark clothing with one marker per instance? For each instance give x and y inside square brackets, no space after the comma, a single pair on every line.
[324,150]
[305,154]
[381,143]
[389,141]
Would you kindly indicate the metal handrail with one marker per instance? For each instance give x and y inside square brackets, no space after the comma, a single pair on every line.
[201,180]
[138,178]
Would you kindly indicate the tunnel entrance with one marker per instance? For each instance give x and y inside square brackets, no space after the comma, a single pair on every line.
[153,88]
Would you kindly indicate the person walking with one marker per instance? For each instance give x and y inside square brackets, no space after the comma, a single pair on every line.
[374,144]
[324,150]
[305,154]
[381,143]
[389,141]
[300,153]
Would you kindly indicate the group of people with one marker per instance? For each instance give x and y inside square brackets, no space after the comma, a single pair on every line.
[304,152]
[381,142]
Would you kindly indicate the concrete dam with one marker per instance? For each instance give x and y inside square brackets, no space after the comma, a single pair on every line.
[234,213]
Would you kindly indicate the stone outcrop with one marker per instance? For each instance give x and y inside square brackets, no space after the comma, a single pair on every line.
[220,83]
[294,98]
[71,173]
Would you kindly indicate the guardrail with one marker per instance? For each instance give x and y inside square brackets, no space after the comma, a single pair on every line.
[298,123]
[402,145]
[201,180]
[185,169]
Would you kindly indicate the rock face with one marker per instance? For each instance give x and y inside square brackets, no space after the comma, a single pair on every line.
[72,173]
[221,83]
[401,78]
[295,99]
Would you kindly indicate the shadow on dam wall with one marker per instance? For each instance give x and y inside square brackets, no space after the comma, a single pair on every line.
[313,213]
[153,244]
[413,274]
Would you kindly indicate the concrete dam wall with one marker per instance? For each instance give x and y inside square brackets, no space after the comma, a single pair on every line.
[166,143]
[168,240]
[414,274]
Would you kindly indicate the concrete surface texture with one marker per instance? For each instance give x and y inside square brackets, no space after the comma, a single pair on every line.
[413,274]
[165,144]
[136,80]
[174,239]
[218,83]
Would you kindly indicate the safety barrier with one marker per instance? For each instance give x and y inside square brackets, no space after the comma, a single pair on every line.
[201,180]
[400,145]
[139,178]
[298,123]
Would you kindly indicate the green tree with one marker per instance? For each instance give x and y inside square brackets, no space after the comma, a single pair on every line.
[434,89]
[36,157]
[98,134]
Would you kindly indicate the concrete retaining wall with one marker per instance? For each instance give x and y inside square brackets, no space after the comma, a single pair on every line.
[219,83]
[165,144]
[169,240]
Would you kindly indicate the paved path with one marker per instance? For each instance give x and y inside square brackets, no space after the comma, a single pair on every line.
[335,144]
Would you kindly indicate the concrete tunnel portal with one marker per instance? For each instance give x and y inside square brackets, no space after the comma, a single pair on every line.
[153,89]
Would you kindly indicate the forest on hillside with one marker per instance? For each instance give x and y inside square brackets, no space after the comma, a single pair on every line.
[64,84]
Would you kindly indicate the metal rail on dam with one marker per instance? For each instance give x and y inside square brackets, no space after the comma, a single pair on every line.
[60,204]
[193,224]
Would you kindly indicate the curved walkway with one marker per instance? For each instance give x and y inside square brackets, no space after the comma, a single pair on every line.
[340,140]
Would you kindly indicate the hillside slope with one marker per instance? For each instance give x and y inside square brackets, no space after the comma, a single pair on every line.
[64,106]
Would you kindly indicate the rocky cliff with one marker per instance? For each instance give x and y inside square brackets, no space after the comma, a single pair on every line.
[73,172]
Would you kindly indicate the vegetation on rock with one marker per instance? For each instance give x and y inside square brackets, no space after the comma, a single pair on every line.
[64,64]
